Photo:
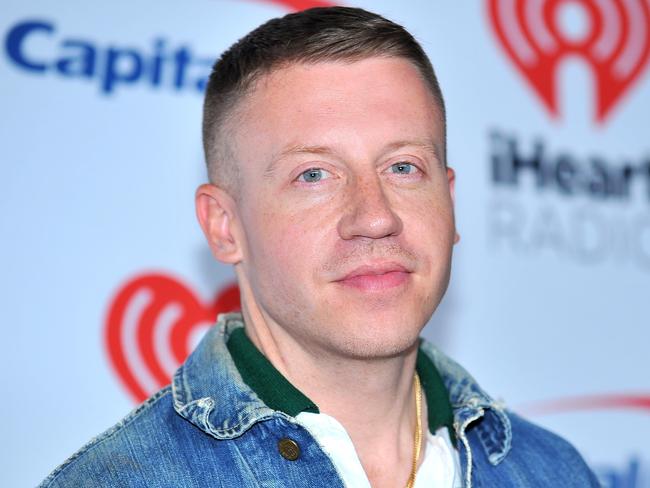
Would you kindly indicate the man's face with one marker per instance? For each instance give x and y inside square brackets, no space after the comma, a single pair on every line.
[345,205]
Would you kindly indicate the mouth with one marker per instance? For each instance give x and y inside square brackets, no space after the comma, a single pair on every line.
[376,277]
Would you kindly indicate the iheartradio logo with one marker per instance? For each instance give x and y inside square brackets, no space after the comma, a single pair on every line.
[153,323]
[614,41]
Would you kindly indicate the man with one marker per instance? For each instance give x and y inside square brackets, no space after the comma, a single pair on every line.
[330,194]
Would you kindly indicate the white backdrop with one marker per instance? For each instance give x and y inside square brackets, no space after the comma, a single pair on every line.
[106,282]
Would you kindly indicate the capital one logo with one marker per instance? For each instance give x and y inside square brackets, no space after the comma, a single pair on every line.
[614,41]
[153,323]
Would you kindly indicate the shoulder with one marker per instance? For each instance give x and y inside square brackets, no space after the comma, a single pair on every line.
[126,453]
[546,455]
[507,449]
[535,457]
[527,435]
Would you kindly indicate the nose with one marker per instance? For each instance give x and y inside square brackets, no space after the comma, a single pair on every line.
[369,213]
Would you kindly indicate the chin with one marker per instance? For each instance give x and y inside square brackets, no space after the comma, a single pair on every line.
[366,348]
[376,337]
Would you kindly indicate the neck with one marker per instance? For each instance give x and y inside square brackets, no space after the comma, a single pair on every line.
[372,398]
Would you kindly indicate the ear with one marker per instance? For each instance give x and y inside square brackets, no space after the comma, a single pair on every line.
[216,211]
[451,178]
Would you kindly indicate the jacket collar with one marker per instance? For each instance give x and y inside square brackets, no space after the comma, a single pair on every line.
[209,392]
[470,403]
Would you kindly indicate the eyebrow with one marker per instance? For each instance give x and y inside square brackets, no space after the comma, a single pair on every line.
[293,150]
[429,146]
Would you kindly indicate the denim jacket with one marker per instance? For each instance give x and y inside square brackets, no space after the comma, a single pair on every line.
[208,428]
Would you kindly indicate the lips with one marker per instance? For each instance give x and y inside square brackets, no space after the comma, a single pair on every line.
[376,277]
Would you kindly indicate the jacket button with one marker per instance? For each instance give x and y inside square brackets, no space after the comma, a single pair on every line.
[289,449]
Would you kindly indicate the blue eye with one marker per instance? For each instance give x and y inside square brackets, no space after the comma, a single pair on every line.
[402,168]
[313,175]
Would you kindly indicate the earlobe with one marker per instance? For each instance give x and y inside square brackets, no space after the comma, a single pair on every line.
[451,179]
[215,210]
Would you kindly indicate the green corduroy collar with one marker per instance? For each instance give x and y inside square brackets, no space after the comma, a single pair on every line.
[278,394]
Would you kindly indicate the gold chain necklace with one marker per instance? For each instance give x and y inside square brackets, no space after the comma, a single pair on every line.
[418,431]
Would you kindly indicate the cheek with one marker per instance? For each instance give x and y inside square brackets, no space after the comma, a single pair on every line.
[431,228]
[285,245]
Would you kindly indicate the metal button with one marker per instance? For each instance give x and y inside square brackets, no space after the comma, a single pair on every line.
[289,449]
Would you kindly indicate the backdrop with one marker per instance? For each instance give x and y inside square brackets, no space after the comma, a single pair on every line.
[107,284]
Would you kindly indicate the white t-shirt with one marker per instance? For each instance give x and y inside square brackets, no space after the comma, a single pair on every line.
[440,467]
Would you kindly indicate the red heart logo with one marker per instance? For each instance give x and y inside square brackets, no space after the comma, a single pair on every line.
[615,44]
[153,323]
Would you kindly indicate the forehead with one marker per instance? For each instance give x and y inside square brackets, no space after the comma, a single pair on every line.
[329,103]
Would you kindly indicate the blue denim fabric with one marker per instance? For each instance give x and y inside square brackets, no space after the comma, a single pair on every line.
[210,429]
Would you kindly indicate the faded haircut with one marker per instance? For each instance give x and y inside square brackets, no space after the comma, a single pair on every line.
[315,35]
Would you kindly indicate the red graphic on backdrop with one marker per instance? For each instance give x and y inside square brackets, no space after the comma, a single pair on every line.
[302,4]
[615,43]
[590,402]
[153,323]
